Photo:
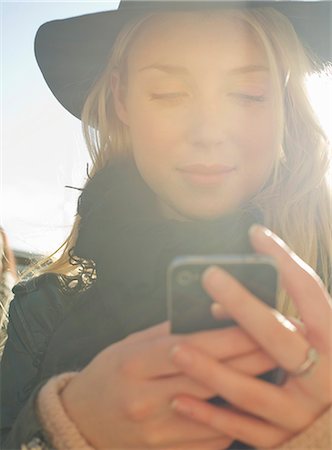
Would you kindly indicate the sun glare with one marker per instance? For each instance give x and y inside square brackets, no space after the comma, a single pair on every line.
[319,86]
[320,91]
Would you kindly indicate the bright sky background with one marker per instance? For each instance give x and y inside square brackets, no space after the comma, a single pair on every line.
[41,145]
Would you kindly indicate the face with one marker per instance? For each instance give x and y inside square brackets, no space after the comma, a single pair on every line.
[199,109]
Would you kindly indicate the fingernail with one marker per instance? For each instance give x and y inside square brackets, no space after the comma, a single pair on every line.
[259,233]
[212,274]
[217,310]
[259,230]
[180,356]
[181,407]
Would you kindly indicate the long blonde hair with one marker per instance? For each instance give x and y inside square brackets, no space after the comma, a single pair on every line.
[296,201]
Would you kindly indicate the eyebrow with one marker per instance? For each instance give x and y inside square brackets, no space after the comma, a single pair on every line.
[173,70]
[179,70]
[250,68]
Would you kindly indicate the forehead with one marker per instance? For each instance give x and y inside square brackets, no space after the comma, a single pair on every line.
[181,37]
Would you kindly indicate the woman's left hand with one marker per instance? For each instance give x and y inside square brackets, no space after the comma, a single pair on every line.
[262,414]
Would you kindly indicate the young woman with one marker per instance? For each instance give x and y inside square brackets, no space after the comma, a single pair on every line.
[198,125]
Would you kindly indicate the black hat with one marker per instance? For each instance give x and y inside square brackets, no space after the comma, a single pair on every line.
[72,52]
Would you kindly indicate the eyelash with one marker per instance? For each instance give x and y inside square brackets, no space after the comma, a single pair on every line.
[248,98]
[168,96]
[178,95]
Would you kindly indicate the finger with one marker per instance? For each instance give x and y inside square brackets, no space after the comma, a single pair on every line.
[254,396]
[249,430]
[268,327]
[170,429]
[180,384]
[271,330]
[298,324]
[148,358]
[299,280]
[156,331]
[148,409]
[223,343]
[255,363]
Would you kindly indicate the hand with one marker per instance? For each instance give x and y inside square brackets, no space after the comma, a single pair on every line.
[122,398]
[265,415]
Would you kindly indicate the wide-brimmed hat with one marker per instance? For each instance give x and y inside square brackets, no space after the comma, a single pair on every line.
[73,52]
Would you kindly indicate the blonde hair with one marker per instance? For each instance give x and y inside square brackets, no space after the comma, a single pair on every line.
[7,256]
[295,202]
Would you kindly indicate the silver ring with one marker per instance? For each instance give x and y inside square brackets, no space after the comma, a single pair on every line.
[307,365]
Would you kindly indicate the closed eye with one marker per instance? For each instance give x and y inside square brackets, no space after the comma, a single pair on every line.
[168,96]
[248,97]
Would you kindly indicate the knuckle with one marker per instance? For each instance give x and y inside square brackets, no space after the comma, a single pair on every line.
[236,429]
[128,366]
[137,410]
[251,399]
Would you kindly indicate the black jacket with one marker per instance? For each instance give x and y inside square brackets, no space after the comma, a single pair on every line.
[50,332]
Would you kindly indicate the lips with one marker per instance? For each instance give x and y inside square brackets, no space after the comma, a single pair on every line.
[203,174]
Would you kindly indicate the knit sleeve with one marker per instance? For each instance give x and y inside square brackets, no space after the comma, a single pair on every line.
[65,436]
[59,428]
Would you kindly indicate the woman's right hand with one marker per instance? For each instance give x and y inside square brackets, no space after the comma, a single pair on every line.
[121,400]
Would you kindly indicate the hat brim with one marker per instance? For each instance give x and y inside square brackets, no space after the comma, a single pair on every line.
[72,53]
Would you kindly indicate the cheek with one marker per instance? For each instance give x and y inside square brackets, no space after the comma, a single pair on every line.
[154,135]
[258,138]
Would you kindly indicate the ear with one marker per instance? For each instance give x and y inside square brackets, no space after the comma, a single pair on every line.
[118,97]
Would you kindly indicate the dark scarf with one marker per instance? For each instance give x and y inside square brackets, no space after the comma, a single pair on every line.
[132,245]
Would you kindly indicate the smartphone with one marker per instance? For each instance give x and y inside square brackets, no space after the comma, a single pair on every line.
[189,305]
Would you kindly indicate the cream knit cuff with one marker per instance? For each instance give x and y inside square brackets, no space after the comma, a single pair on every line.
[64,434]
[61,430]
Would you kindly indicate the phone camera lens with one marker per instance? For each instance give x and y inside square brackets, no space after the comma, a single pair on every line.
[184,277]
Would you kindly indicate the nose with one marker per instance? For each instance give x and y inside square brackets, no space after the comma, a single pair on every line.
[208,124]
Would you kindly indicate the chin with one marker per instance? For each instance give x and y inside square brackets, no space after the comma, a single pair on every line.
[204,213]
[209,215]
